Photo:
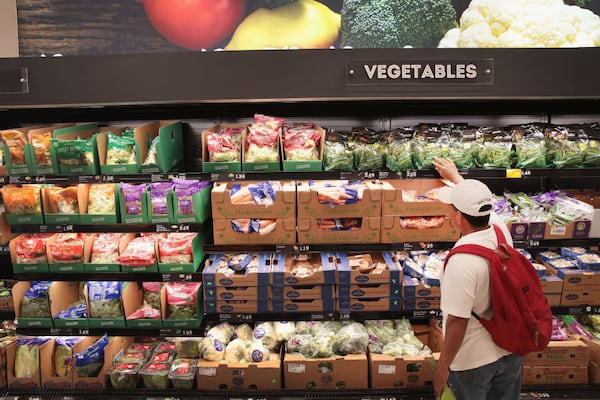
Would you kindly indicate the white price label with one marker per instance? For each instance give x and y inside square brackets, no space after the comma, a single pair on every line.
[296,368]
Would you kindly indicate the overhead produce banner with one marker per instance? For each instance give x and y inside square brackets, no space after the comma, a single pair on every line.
[83,27]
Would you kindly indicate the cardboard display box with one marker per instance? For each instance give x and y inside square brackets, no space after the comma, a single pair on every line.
[568,352]
[307,165]
[236,306]
[48,377]
[290,269]
[76,266]
[261,166]
[127,291]
[383,269]
[83,191]
[411,287]
[102,145]
[553,299]
[309,206]
[116,345]
[400,373]
[30,383]
[51,214]
[62,295]
[87,131]
[368,232]
[542,230]
[554,374]
[370,304]
[579,298]
[182,323]
[396,203]
[575,279]
[421,303]
[284,205]
[212,277]
[201,205]
[551,284]
[326,305]
[23,268]
[133,299]
[339,372]
[18,292]
[594,365]
[518,230]
[369,290]
[392,232]
[284,233]
[20,219]
[88,266]
[214,375]
[229,166]
[302,292]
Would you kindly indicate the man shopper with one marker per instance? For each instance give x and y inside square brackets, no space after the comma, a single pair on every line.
[470,362]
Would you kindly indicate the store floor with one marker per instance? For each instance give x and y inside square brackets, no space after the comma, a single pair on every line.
[587,393]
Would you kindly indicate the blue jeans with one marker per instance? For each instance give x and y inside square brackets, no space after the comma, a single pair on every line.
[500,380]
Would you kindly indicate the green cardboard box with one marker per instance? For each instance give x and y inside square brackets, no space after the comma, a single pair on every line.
[142,218]
[307,165]
[197,258]
[224,166]
[52,215]
[62,295]
[133,299]
[96,219]
[102,143]
[109,322]
[89,167]
[18,292]
[168,136]
[182,323]
[201,204]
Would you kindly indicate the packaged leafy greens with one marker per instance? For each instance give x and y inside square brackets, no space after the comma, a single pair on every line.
[368,149]
[151,156]
[24,200]
[590,136]
[152,294]
[224,145]
[35,303]
[182,373]
[496,149]
[63,353]
[181,299]
[337,155]
[351,339]
[398,155]
[101,198]
[41,147]
[89,362]
[564,147]
[429,142]
[124,375]
[460,147]
[77,310]
[27,357]
[120,149]
[262,140]
[301,142]
[74,152]
[105,299]
[530,146]
[159,192]
[156,375]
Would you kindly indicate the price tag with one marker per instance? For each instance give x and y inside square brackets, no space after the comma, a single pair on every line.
[384,174]
[2,180]
[185,277]
[304,248]
[410,174]
[187,332]
[55,331]
[5,250]
[157,178]
[239,176]
[176,176]
[345,316]
[108,178]
[88,178]
[514,173]
[83,331]
[534,243]
[183,228]
[245,317]
[369,175]
[426,246]
[66,228]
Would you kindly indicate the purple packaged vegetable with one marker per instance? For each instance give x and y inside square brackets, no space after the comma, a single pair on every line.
[132,194]
[158,197]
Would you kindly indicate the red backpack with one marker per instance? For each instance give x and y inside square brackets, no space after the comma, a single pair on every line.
[522,318]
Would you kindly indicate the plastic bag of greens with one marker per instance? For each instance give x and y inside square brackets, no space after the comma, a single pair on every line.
[460,147]
[89,362]
[120,150]
[76,310]
[63,354]
[188,347]
[381,332]
[27,356]
[398,154]
[351,339]
[429,142]
[265,333]
[181,299]
[284,330]
[35,303]
[530,147]
[256,352]
[212,349]
[299,343]
[105,299]
[369,150]
[320,346]
[337,155]
[564,147]
[151,156]
[74,152]
[243,331]
[152,294]
[235,351]
[590,139]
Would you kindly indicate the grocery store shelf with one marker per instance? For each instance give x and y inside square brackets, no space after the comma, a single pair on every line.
[584,392]
[125,331]
[109,276]
[63,228]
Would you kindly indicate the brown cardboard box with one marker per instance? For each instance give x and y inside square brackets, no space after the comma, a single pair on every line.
[579,297]
[551,284]
[309,232]
[33,382]
[421,303]
[394,204]
[115,345]
[284,206]
[393,372]
[577,229]
[237,293]
[376,304]
[594,348]
[569,352]
[553,299]
[339,372]
[310,207]
[284,233]
[4,343]
[214,375]
[392,232]
[49,379]
[554,374]
[575,279]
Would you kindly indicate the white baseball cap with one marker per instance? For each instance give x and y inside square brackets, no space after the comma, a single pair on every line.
[469,196]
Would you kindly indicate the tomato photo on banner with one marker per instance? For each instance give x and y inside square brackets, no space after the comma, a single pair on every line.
[68,27]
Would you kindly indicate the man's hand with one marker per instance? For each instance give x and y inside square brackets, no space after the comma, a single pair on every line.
[447,170]
[440,378]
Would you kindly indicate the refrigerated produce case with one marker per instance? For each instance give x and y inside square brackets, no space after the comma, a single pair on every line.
[333,88]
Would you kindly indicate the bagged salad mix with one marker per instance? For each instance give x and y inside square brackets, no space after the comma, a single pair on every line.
[139,252]
[176,248]
[224,145]
[159,192]
[262,140]
[35,302]
[67,248]
[74,151]
[105,299]
[30,248]
[181,300]
[337,154]
[63,354]
[41,147]
[301,142]
[120,149]
[15,141]
[133,197]
[398,154]
[62,200]
[185,190]
[23,200]
[101,198]
[105,248]
[89,363]
[368,149]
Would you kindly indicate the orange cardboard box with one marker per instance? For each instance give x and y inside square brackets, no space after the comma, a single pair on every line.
[339,372]
[398,193]
[400,373]
[568,352]
[310,207]
[554,374]
[392,232]
[309,232]
[284,233]
[215,375]
[284,205]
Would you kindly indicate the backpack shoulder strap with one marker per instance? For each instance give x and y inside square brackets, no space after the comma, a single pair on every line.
[499,235]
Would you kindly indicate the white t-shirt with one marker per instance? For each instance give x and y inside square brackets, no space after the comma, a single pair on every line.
[465,286]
